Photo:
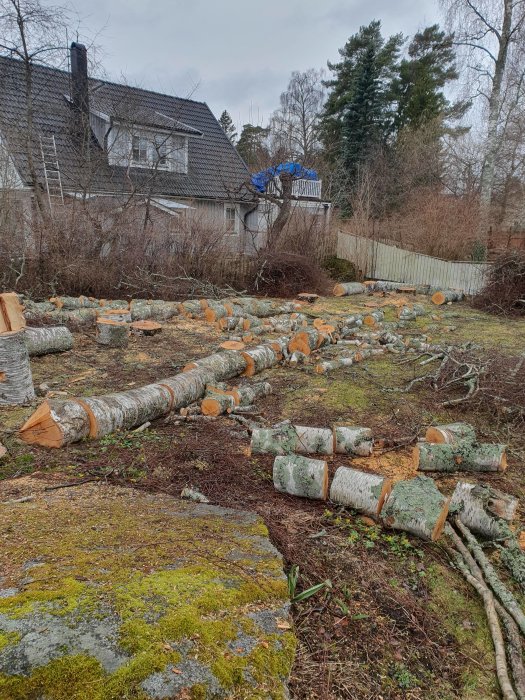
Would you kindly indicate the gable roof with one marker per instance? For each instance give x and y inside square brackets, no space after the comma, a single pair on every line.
[215,169]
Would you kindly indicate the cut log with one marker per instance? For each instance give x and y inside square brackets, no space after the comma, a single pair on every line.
[140,309]
[353,440]
[232,345]
[482,508]
[330,366]
[410,313]
[214,312]
[445,296]
[217,404]
[191,308]
[416,506]
[356,489]
[16,381]
[11,313]
[451,433]
[222,365]
[145,327]
[260,358]
[346,289]
[248,393]
[297,358]
[309,297]
[300,476]
[56,423]
[465,456]
[188,387]
[114,303]
[307,341]
[73,303]
[46,340]
[374,318]
[113,334]
[288,438]
[122,315]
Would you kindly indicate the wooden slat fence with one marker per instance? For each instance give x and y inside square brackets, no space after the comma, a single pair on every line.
[388,262]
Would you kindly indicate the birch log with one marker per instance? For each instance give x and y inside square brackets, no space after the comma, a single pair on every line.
[113,334]
[288,438]
[410,313]
[301,476]
[416,506]
[260,358]
[119,315]
[11,313]
[46,340]
[445,296]
[217,404]
[465,456]
[307,340]
[374,318]
[348,288]
[353,440]
[451,433]
[56,423]
[16,381]
[356,489]
[483,509]
[73,303]
[222,365]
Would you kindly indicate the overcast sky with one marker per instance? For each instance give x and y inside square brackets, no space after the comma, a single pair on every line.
[232,54]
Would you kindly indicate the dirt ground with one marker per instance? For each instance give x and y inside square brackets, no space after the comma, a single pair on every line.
[396,620]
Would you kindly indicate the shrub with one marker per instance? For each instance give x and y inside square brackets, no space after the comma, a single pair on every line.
[504,290]
[339,269]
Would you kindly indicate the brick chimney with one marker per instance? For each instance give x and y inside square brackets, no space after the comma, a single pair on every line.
[80,91]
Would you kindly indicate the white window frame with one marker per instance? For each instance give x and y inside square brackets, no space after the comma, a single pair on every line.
[236,220]
[166,141]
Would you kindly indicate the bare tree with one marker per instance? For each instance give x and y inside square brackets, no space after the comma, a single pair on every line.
[491,32]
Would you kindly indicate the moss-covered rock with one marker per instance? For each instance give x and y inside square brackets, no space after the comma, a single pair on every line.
[108,593]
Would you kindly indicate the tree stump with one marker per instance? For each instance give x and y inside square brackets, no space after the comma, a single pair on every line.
[416,506]
[300,476]
[112,334]
[145,327]
[356,489]
[16,381]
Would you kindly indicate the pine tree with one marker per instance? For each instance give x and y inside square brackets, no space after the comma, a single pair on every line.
[228,126]
[252,146]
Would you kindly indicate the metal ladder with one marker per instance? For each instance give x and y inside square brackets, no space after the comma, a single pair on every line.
[53,180]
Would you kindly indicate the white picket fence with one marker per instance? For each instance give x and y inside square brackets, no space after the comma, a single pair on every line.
[388,262]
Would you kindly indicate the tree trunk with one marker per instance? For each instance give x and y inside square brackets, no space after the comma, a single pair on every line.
[285,210]
[445,296]
[222,365]
[410,313]
[364,492]
[374,318]
[288,438]
[307,341]
[56,423]
[260,358]
[349,288]
[465,456]
[482,509]
[72,303]
[416,506]
[16,381]
[353,440]
[42,341]
[300,476]
[451,434]
[113,334]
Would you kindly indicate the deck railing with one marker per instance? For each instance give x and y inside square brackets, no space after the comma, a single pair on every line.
[309,189]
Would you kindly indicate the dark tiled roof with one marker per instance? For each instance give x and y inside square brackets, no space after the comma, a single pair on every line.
[215,170]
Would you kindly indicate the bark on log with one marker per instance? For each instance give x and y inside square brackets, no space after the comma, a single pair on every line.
[330,366]
[260,358]
[482,509]
[188,387]
[451,433]
[16,381]
[191,308]
[374,318]
[46,340]
[56,423]
[247,394]
[300,476]
[353,440]
[465,456]
[356,489]
[416,506]
[307,341]
[222,365]
[113,334]
[119,315]
[346,289]
[445,296]
[297,358]
[217,404]
[11,313]
[114,303]
[73,303]
[410,313]
[288,438]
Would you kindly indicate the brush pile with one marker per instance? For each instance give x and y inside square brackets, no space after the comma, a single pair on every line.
[504,290]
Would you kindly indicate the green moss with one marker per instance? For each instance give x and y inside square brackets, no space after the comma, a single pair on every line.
[8,638]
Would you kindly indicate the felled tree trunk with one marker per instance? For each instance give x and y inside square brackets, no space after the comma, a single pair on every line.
[114,303]
[465,456]
[288,438]
[260,358]
[191,308]
[249,393]
[223,365]
[300,476]
[451,433]
[346,289]
[445,296]
[483,509]
[416,506]
[408,313]
[307,341]
[11,313]
[72,303]
[216,404]
[353,440]
[113,334]
[330,366]
[374,318]
[43,341]
[16,381]
[56,423]
[364,492]
[188,387]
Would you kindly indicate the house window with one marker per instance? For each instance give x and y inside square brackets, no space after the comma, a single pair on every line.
[139,150]
[161,153]
[230,214]
[179,154]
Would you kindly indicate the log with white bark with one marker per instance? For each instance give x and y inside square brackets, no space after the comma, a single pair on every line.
[191,308]
[346,289]
[188,387]
[288,438]
[113,334]
[217,402]
[416,506]
[11,313]
[119,315]
[307,340]
[446,296]
[464,456]
[73,303]
[331,365]
[46,340]
[360,490]
[451,433]
[353,440]
[222,365]
[301,476]
[410,313]
[483,509]
[16,381]
[374,318]
[37,310]
[114,303]
[56,423]
[297,358]
[260,358]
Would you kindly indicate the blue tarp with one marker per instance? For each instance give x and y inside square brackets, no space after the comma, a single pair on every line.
[260,180]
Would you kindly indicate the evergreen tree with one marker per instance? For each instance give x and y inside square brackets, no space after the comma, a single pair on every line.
[358,112]
[252,146]
[228,126]
[422,77]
